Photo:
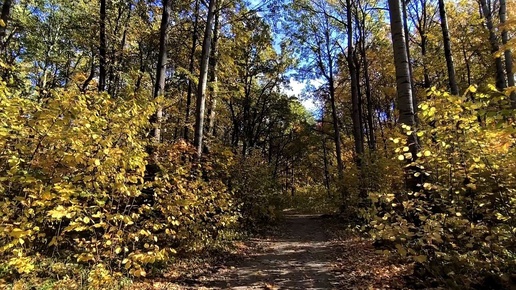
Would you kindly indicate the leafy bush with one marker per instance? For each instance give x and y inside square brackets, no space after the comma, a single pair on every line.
[257,192]
[72,188]
[461,224]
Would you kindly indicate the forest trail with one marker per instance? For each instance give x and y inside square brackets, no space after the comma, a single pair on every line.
[298,256]
[305,252]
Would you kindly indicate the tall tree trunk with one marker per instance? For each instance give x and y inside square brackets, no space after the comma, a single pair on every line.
[500,74]
[355,98]
[447,49]
[191,70]
[6,11]
[403,76]
[214,59]
[203,78]
[369,98]
[507,52]
[361,24]
[407,47]
[102,47]
[331,83]
[404,89]
[159,85]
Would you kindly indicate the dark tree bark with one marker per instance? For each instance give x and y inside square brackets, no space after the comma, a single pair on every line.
[493,41]
[102,48]
[6,11]
[203,79]
[447,49]
[355,98]
[507,51]
[191,65]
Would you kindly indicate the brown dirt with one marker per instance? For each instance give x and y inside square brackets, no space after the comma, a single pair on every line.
[306,252]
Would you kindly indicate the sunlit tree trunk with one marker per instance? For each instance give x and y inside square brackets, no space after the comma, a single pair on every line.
[203,79]
[407,48]
[403,76]
[214,59]
[159,86]
[447,49]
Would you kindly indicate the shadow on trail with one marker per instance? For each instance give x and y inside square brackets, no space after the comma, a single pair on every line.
[299,256]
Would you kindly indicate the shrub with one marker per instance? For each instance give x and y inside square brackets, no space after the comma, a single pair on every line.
[460,225]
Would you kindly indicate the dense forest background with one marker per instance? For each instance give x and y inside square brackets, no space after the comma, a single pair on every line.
[134,132]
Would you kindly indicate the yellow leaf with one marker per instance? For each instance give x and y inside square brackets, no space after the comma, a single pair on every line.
[427,153]
[420,258]
[17,233]
[118,250]
[97,162]
[58,213]
[401,157]
[139,273]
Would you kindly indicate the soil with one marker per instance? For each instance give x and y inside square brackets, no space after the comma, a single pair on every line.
[305,252]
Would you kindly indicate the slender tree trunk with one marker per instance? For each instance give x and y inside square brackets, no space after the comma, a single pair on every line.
[507,51]
[369,98]
[447,49]
[407,47]
[357,127]
[203,78]
[336,133]
[331,83]
[92,72]
[191,64]
[214,59]
[159,86]
[102,47]
[500,74]
[6,11]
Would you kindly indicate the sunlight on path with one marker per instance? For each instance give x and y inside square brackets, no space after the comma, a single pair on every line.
[299,257]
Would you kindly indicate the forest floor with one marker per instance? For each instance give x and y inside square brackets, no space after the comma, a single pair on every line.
[304,252]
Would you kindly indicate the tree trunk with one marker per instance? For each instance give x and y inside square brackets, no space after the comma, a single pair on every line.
[447,49]
[407,47]
[214,59]
[403,76]
[500,74]
[6,10]
[159,86]
[191,70]
[404,88]
[507,52]
[203,77]
[102,47]
[355,101]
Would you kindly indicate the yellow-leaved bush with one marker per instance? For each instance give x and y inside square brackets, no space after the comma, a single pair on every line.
[461,223]
[73,187]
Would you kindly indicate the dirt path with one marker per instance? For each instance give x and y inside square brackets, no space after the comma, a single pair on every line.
[298,256]
[307,252]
